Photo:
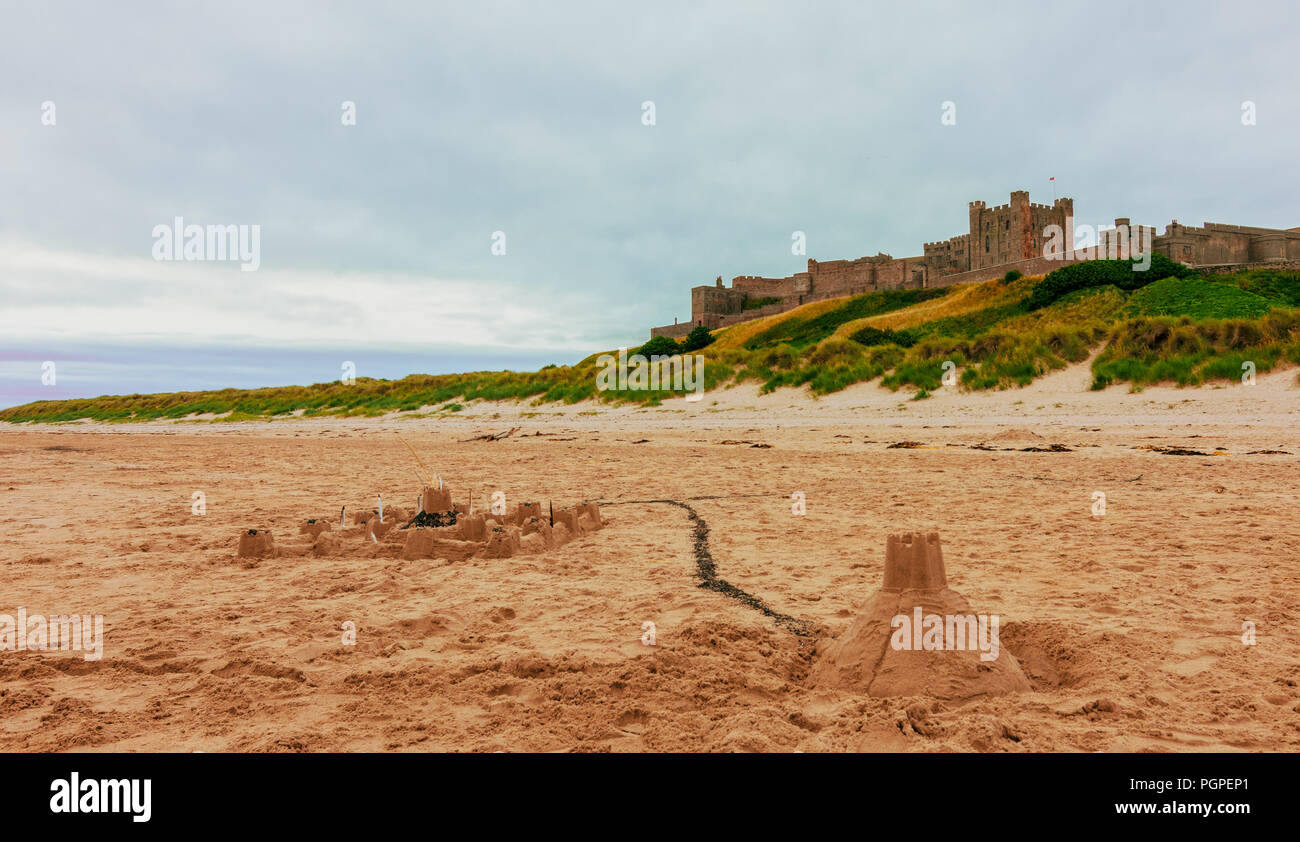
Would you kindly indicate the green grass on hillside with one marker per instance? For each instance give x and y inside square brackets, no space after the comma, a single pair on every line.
[1182,328]
[801,332]
[1281,288]
[1196,297]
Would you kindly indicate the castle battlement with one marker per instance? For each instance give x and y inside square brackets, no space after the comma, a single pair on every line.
[957,240]
[1248,229]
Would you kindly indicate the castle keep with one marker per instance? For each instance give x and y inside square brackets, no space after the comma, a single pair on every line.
[999,239]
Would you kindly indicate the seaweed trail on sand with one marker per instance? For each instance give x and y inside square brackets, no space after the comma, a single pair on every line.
[707,569]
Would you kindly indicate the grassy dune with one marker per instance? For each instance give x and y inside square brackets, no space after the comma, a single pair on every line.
[1167,325]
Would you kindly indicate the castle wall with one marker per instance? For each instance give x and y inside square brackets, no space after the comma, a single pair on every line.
[675,331]
[866,274]
[841,275]
[756,287]
[716,306]
[1291,265]
[1031,266]
[1124,240]
[718,299]
[756,313]
[947,257]
[1215,244]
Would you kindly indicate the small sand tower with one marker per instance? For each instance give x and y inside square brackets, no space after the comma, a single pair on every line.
[435,500]
[255,543]
[917,637]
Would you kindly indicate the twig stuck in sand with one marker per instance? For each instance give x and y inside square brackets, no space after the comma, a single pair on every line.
[426,479]
[493,436]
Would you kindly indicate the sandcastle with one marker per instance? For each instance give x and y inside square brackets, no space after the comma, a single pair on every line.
[256,543]
[440,529]
[918,637]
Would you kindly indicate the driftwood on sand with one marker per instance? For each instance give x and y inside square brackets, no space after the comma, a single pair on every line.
[493,436]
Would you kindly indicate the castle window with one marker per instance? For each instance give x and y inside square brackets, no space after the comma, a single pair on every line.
[986,245]
[1007,224]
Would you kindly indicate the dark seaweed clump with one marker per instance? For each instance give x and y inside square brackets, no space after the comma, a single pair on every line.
[433,519]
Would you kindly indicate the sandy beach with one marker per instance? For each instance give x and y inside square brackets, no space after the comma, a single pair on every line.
[1129,625]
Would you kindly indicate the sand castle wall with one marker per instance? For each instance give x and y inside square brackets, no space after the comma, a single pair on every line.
[446,532]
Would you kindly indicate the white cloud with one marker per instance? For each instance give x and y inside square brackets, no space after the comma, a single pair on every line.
[55,293]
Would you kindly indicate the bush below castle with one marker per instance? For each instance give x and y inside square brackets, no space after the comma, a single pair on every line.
[1094,273]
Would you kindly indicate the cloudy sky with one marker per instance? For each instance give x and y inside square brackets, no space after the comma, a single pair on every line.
[376,239]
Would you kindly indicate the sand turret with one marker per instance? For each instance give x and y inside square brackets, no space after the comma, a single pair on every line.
[255,543]
[433,500]
[918,637]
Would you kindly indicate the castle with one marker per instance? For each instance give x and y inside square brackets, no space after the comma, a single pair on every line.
[1011,236]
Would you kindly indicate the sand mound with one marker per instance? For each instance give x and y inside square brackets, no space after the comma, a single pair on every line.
[918,637]
[314,526]
[1016,435]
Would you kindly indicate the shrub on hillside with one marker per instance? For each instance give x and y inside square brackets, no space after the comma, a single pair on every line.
[782,357]
[1093,273]
[664,346]
[698,338]
[833,352]
[877,336]
[1013,275]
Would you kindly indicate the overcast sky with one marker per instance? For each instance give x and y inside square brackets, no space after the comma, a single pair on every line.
[527,118]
